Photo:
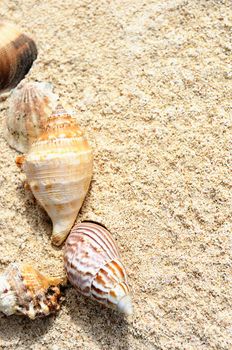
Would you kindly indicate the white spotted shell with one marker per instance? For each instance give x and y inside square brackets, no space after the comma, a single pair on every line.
[25,291]
[30,105]
[94,267]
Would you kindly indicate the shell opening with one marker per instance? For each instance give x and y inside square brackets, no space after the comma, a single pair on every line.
[94,222]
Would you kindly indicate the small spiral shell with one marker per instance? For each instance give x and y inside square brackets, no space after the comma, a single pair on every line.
[25,291]
[94,267]
[17,54]
[59,170]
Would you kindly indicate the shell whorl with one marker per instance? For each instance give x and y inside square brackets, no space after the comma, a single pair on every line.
[61,125]
[25,291]
[94,267]
[17,54]
[30,104]
[59,170]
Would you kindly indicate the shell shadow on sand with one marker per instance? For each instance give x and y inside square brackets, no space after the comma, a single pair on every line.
[14,328]
[36,216]
[105,326]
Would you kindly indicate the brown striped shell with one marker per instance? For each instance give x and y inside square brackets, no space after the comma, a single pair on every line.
[25,291]
[94,267]
[17,54]
[59,170]
[30,105]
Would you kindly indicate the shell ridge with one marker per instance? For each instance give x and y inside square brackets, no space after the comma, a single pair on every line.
[91,236]
[88,230]
[77,266]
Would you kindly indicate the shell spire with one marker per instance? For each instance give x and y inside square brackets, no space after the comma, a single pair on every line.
[30,104]
[17,54]
[59,170]
[59,110]
[25,291]
[94,267]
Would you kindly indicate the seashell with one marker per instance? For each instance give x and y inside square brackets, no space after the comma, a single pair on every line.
[17,53]
[30,105]
[59,170]
[94,268]
[25,291]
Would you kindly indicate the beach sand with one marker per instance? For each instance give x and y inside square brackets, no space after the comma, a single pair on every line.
[151,84]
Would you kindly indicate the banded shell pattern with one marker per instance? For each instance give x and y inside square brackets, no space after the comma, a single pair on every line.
[25,291]
[30,105]
[17,54]
[94,268]
[59,170]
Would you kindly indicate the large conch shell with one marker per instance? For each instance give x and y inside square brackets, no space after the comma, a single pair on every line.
[94,268]
[17,53]
[30,105]
[25,291]
[59,170]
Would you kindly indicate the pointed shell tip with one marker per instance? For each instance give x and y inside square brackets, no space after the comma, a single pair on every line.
[125,305]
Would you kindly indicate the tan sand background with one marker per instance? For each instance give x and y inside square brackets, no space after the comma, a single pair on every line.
[151,83]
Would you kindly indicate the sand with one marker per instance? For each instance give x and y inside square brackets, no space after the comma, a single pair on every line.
[151,84]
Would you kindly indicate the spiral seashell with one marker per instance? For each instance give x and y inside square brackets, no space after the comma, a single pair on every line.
[94,268]
[59,170]
[25,291]
[17,54]
[30,105]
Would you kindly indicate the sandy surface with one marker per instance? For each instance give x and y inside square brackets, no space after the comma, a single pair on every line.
[151,82]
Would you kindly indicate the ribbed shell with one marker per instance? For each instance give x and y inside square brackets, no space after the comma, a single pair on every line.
[30,105]
[17,54]
[59,170]
[24,290]
[94,267]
